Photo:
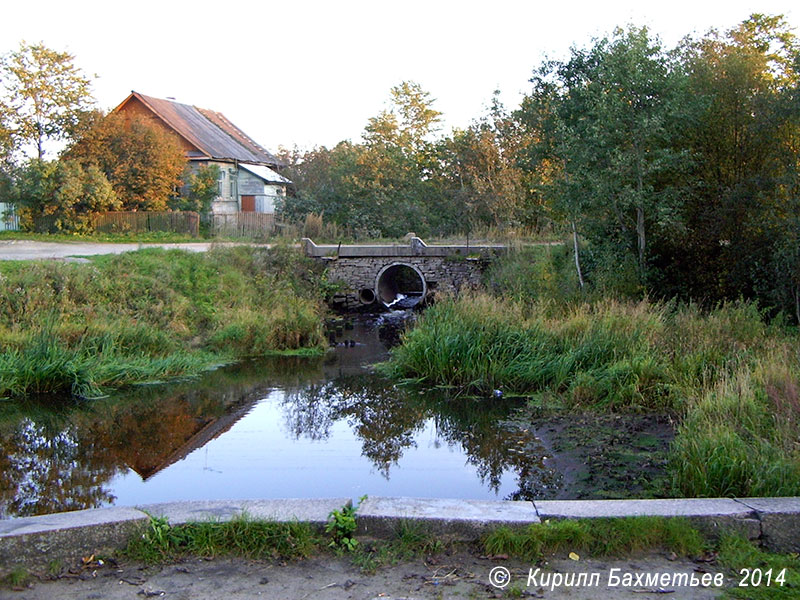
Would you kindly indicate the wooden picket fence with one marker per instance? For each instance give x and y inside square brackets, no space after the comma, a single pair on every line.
[243,224]
[239,224]
[137,222]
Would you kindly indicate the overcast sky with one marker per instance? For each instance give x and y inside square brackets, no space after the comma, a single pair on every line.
[311,73]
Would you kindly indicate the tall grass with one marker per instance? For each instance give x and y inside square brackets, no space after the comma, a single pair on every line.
[242,536]
[78,328]
[602,354]
[740,438]
[730,377]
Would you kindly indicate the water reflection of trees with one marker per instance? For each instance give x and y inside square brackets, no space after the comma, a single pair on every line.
[386,419]
[46,469]
[65,460]
[53,461]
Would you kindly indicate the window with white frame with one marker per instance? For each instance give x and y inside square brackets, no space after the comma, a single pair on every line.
[221,183]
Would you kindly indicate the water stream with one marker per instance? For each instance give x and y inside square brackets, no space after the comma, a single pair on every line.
[289,428]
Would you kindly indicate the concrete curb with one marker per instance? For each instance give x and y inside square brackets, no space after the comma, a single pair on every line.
[314,511]
[712,516]
[779,519]
[453,519]
[67,536]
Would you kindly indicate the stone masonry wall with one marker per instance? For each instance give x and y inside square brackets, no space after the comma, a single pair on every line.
[443,274]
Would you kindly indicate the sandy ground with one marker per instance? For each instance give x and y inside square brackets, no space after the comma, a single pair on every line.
[32,250]
[460,575]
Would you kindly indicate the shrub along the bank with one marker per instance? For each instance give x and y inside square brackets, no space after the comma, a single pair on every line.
[80,328]
[729,376]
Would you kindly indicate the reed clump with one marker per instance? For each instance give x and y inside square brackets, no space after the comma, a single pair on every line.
[592,354]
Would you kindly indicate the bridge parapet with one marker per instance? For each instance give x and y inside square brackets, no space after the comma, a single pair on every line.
[401,274]
[415,247]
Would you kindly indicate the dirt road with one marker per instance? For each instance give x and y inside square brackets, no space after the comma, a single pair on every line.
[460,575]
[32,250]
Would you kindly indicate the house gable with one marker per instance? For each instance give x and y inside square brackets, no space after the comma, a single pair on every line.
[134,105]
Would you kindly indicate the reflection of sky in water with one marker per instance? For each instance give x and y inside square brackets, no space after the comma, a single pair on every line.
[270,429]
[260,458]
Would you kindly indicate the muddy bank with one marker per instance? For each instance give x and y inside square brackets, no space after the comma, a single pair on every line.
[592,456]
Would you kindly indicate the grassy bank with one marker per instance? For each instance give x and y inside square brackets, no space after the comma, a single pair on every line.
[255,538]
[80,328]
[730,377]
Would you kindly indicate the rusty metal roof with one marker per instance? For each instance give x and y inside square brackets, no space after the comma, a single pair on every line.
[208,131]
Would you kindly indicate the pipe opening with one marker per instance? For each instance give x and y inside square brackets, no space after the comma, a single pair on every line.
[400,286]
[366,296]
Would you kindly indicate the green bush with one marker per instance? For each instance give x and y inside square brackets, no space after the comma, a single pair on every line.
[61,196]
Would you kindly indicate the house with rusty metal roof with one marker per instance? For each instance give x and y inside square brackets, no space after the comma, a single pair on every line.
[248,181]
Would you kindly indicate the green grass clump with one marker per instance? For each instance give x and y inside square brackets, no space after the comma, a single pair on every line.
[740,437]
[736,554]
[80,328]
[17,579]
[47,366]
[410,541]
[242,536]
[596,538]
[599,355]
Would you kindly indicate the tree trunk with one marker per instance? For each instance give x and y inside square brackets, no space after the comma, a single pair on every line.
[640,234]
[797,303]
[640,209]
[618,212]
[577,253]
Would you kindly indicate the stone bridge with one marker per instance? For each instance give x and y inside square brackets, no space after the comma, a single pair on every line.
[401,275]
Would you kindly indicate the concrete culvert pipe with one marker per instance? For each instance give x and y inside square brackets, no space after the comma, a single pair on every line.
[366,296]
[400,285]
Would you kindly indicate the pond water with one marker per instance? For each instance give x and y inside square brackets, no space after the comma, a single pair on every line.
[297,428]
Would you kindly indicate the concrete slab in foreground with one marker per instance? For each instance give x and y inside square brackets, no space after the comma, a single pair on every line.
[710,515]
[310,510]
[455,519]
[780,522]
[67,535]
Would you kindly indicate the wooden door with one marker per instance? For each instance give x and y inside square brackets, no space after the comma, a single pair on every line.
[248,204]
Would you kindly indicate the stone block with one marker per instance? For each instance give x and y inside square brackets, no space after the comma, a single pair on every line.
[311,510]
[67,536]
[451,518]
[780,522]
